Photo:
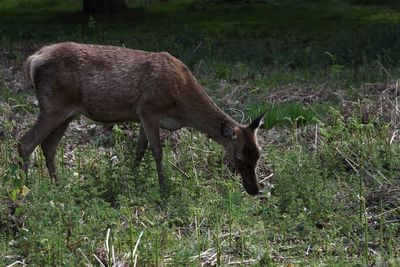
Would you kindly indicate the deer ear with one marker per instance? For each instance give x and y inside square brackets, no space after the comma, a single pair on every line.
[228,131]
[257,122]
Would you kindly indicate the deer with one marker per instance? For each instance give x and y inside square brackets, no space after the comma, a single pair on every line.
[110,84]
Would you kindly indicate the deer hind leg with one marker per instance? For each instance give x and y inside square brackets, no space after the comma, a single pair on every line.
[151,126]
[49,146]
[44,125]
[141,146]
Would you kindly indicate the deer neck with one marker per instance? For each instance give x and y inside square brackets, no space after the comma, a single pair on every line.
[207,117]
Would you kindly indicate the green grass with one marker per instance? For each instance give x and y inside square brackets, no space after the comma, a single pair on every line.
[285,35]
[330,157]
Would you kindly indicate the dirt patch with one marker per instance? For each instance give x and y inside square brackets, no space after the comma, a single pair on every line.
[380,101]
[305,94]
[10,220]
[12,61]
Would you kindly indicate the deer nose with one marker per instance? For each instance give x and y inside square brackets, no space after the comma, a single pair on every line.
[251,188]
[250,183]
[253,191]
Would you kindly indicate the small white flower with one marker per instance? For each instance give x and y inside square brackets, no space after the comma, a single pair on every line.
[114,159]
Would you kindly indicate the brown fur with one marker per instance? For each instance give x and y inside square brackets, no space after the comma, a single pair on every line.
[112,84]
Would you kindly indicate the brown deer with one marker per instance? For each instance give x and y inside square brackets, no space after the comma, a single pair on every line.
[112,84]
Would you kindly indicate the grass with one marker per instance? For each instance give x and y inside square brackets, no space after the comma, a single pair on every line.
[327,75]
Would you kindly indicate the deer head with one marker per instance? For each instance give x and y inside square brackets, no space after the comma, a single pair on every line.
[244,151]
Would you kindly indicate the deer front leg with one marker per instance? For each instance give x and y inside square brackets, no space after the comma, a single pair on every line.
[151,126]
[141,146]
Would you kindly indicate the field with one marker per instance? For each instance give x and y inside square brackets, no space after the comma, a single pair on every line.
[326,72]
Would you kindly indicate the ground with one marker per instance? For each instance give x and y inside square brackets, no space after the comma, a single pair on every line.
[328,77]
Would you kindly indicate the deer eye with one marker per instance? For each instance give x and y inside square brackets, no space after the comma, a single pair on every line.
[239,157]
